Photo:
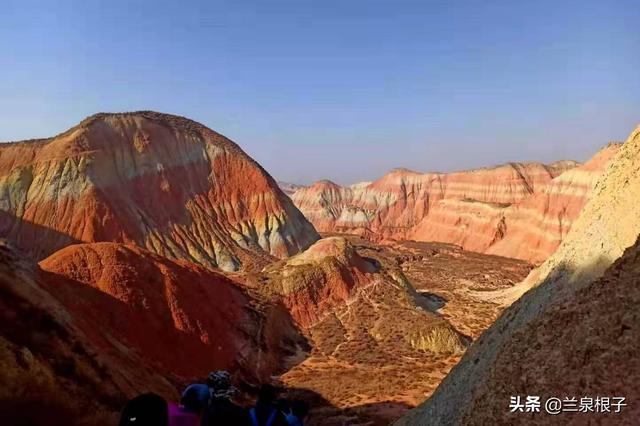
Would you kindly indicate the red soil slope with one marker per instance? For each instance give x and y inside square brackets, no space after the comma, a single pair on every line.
[325,276]
[181,318]
[51,371]
[159,181]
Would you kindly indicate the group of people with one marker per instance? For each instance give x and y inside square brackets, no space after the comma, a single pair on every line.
[211,404]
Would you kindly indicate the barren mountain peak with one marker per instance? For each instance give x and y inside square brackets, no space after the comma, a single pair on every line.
[160,181]
[325,183]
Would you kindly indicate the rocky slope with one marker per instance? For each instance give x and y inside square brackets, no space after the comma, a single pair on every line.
[162,182]
[318,280]
[585,346]
[362,318]
[331,277]
[561,290]
[514,210]
[372,334]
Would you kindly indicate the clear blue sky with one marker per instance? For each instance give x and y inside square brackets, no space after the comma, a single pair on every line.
[339,89]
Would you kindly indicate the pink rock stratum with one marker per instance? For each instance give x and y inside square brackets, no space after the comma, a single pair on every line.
[514,210]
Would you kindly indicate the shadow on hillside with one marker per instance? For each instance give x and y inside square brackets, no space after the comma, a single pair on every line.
[37,241]
[431,301]
[49,375]
[561,282]
[375,263]
[150,330]
[324,413]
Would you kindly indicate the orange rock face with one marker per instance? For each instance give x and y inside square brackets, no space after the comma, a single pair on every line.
[162,182]
[514,210]
[392,205]
[325,276]
[534,228]
[529,229]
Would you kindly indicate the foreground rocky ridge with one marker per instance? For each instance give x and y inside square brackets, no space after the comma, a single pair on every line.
[596,332]
[165,183]
[560,291]
[515,210]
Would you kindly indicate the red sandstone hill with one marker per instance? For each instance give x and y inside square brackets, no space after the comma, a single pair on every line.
[535,227]
[162,182]
[395,203]
[322,278]
[514,210]
[530,229]
[392,205]
[332,283]
[153,305]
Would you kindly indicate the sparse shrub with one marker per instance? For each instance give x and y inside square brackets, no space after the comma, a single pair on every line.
[439,340]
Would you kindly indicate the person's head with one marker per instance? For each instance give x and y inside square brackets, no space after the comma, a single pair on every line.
[147,409]
[267,394]
[300,409]
[195,398]
[218,379]
[220,384]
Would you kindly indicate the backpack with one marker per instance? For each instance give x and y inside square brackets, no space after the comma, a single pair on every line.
[254,417]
